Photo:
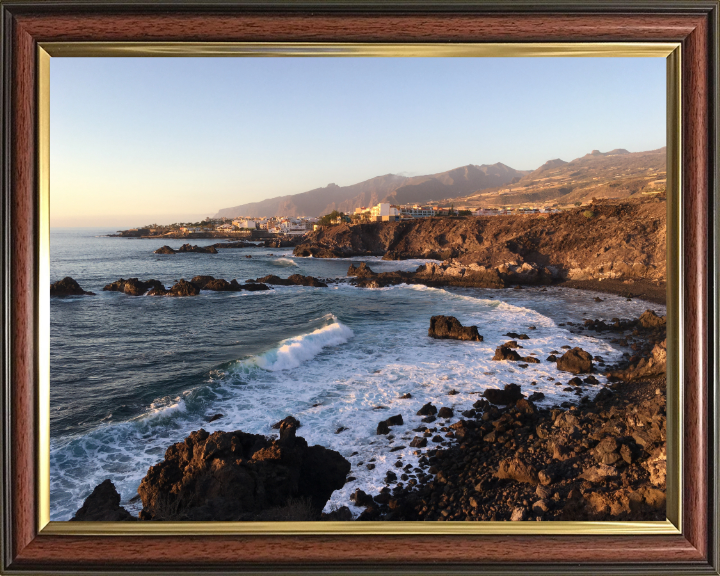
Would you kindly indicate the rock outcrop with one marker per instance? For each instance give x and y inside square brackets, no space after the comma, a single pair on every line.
[133,286]
[103,505]
[449,327]
[294,280]
[240,476]
[164,250]
[68,287]
[197,249]
[622,239]
[576,360]
[361,271]
[181,288]
[509,395]
[654,365]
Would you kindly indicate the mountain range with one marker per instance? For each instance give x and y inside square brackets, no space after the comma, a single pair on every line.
[617,173]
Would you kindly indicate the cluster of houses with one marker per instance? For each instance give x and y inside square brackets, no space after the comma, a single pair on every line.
[386,212]
[282,225]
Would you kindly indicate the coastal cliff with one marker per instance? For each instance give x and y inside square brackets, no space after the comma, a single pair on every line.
[607,240]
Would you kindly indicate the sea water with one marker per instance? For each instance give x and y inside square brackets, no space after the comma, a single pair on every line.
[132,375]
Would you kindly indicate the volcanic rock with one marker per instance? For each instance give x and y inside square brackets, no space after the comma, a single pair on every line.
[197,249]
[384,426]
[427,410]
[505,353]
[510,395]
[361,271]
[449,327]
[516,469]
[650,320]
[103,505]
[294,280]
[238,476]
[68,287]
[165,250]
[183,288]
[576,361]
[133,286]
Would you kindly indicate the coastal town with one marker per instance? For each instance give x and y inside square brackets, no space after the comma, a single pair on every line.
[259,228]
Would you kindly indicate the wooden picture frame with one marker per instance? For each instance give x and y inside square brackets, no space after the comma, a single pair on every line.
[26,548]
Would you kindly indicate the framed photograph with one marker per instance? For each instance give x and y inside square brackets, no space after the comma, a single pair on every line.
[487,345]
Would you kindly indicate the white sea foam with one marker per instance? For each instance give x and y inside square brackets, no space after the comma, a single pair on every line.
[295,351]
[284,262]
[348,373]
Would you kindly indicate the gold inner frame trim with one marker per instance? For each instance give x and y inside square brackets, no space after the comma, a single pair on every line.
[670,51]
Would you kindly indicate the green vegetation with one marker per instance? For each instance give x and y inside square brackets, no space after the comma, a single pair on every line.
[464,213]
[588,214]
[578,203]
[334,215]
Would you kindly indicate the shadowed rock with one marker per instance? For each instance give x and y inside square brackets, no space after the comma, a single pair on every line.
[448,327]
[576,361]
[103,505]
[68,287]
[239,476]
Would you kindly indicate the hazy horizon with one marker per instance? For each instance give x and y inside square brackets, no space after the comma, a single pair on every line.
[142,140]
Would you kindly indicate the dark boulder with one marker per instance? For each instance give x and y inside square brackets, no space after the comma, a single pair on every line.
[197,249]
[576,361]
[509,395]
[237,476]
[253,286]
[68,287]
[201,281]
[220,285]
[384,426]
[427,410]
[287,421]
[505,353]
[294,280]
[361,271]
[418,442]
[133,286]
[164,250]
[449,327]
[183,288]
[445,412]
[103,505]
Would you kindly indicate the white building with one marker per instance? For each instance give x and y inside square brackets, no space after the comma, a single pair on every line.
[416,211]
[384,212]
[252,224]
[225,227]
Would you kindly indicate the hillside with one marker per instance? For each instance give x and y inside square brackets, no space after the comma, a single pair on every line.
[610,240]
[614,174]
[392,188]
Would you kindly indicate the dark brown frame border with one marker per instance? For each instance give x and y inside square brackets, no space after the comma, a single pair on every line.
[24,24]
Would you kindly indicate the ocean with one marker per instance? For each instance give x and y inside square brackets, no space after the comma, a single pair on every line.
[132,375]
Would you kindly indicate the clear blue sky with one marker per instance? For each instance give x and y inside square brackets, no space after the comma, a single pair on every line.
[140,140]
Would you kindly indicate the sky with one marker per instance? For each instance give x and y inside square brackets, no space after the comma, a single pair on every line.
[136,141]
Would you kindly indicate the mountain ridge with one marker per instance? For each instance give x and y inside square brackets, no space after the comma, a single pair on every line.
[593,174]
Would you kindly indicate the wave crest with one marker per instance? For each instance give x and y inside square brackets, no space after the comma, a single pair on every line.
[295,351]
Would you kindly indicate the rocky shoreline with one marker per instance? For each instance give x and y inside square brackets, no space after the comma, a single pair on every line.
[504,459]
[608,240]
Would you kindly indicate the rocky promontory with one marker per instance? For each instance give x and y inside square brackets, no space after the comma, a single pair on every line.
[240,476]
[68,287]
[608,240]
